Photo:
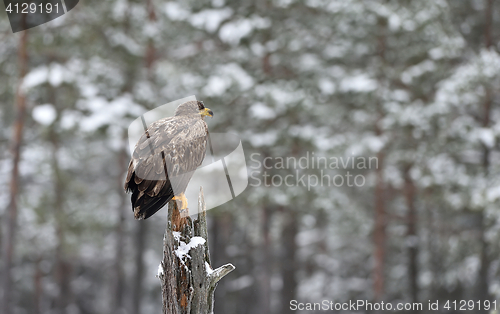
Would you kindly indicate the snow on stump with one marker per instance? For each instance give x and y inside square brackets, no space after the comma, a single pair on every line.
[187,279]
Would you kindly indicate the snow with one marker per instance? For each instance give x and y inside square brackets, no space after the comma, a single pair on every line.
[284,96]
[217,85]
[56,74]
[223,78]
[272,45]
[70,118]
[240,76]
[337,50]
[260,22]
[326,86]
[283,3]
[394,22]
[119,10]
[261,111]
[457,89]
[374,143]
[309,61]
[183,249]
[436,53]
[369,143]
[104,113]
[493,194]
[417,70]
[44,114]
[208,268]
[470,267]
[486,136]
[160,270]
[218,3]
[88,90]
[258,49]
[210,19]
[35,77]
[119,38]
[177,235]
[232,32]
[151,30]
[358,83]
[400,95]
[263,139]
[175,11]
[303,131]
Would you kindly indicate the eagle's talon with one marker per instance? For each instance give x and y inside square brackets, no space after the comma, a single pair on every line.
[183,200]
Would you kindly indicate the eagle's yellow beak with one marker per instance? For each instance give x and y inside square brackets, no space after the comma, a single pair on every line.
[207,112]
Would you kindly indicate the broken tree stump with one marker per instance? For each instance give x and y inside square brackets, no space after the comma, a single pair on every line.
[187,278]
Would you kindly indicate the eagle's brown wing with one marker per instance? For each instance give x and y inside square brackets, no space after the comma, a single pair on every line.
[177,144]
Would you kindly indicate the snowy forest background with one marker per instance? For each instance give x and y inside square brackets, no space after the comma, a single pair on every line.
[414,83]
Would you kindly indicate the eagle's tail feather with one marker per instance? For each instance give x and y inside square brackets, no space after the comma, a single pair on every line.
[149,205]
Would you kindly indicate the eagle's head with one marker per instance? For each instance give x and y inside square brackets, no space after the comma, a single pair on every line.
[193,108]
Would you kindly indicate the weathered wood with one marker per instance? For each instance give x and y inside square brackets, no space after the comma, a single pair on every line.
[187,279]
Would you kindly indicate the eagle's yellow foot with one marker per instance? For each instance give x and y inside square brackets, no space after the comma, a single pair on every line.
[184,202]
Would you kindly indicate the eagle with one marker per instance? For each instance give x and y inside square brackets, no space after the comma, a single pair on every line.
[165,158]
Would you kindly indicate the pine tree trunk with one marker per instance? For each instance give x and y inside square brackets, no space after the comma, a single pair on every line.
[265,262]
[140,243]
[11,214]
[220,236]
[482,286]
[289,266]
[62,269]
[379,233]
[37,285]
[187,279]
[411,234]
[118,281]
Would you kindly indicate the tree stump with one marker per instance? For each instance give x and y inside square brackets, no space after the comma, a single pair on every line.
[187,278]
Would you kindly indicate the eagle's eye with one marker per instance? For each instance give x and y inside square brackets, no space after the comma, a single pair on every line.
[201,106]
